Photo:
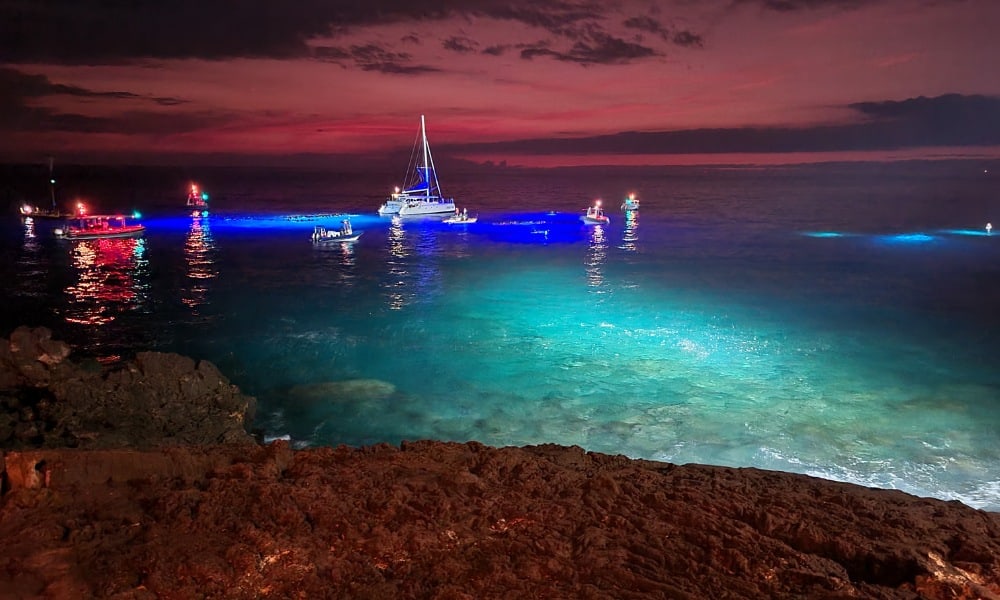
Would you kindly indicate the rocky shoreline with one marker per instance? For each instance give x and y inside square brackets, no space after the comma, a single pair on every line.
[143,482]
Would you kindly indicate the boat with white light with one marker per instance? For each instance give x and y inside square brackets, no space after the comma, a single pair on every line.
[421,193]
[94,227]
[346,233]
[595,215]
[461,218]
[630,203]
[37,212]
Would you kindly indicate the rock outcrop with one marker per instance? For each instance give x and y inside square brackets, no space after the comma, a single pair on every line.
[157,399]
[448,520]
[425,519]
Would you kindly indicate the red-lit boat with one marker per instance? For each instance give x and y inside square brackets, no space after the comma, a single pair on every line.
[93,227]
[197,200]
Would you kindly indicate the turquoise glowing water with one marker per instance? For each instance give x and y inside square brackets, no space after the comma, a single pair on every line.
[836,321]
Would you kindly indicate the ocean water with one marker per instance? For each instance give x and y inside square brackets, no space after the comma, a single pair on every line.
[836,320]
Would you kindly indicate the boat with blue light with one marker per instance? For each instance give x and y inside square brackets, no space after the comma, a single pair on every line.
[421,193]
[346,233]
[95,227]
[595,215]
[630,203]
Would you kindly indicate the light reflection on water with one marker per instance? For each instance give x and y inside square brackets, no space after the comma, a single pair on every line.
[395,283]
[112,277]
[630,234]
[597,256]
[199,254]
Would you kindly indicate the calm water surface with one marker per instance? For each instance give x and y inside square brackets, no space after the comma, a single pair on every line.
[840,321]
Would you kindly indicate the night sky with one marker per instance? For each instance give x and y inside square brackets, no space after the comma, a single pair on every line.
[529,82]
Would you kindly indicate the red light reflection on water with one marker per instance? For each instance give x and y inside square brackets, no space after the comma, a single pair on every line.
[111,279]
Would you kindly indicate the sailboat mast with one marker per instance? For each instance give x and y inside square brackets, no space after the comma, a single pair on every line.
[423,135]
[52,184]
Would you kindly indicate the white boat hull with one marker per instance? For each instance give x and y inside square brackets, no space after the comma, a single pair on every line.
[460,220]
[427,207]
[337,239]
[390,207]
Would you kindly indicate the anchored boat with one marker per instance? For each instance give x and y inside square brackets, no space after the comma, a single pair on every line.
[595,215]
[92,227]
[421,194]
[460,218]
[346,233]
[630,203]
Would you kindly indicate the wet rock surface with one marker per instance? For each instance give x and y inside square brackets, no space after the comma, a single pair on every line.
[443,520]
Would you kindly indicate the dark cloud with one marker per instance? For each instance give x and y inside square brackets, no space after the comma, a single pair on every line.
[17,88]
[462,45]
[951,120]
[21,92]
[101,32]
[647,24]
[797,5]
[556,16]
[598,49]
[372,57]
[495,50]
[688,39]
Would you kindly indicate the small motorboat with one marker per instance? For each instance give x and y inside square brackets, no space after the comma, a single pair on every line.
[460,218]
[322,235]
[197,199]
[95,227]
[630,203]
[595,215]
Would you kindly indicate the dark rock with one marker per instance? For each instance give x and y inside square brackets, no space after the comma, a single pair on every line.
[157,399]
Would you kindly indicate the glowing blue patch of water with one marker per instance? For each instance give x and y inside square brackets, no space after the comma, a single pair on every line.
[968,232]
[295,221]
[825,234]
[907,238]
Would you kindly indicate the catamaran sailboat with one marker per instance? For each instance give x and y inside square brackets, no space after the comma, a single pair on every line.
[421,195]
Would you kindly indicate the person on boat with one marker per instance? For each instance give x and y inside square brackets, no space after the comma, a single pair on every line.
[465,213]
